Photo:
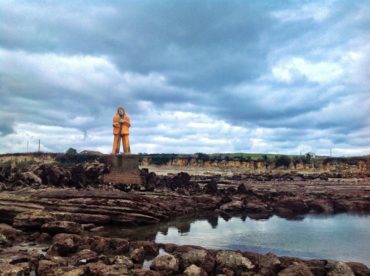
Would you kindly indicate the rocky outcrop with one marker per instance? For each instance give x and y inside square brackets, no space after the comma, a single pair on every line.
[75,254]
[354,166]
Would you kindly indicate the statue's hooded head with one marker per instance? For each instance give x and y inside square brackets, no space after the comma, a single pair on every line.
[121,111]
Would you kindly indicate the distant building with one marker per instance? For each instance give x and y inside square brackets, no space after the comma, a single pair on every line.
[91,152]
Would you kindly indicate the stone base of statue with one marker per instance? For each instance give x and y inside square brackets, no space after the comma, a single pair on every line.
[124,169]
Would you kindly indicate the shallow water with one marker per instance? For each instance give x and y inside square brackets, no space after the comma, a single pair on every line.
[340,237]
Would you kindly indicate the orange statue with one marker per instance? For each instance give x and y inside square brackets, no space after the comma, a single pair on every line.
[121,125]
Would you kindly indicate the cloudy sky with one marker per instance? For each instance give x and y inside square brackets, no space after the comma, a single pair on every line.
[194,76]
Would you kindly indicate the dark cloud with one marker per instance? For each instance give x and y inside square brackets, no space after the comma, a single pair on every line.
[257,67]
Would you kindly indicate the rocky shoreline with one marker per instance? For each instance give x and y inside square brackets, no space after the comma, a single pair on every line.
[54,252]
[51,214]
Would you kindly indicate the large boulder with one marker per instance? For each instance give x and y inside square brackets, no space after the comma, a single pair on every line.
[166,264]
[31,179]
[84,256]
[211,187]
[296,269]
[269,263]
[65,244]
[194,270]
[119,246]
[339,269]
[232,260]
[198,257]
[52,174]
[10,233]
[359,268]
[56,227]
[138,255]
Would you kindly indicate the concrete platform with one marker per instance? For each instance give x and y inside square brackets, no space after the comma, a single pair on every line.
[124,170]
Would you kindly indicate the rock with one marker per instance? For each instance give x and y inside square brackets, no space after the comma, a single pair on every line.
[19,258]
[98,244]
[233,206]
[32,219]
[64,244]
[317,267]
[84,256]
[181,180]
[295,205]
[199,257]
[359,269]
[31,179]
[96,229]
[194,270]
[296,269]
[103,269]
[46,266]
[124,261]
[11,233]
[56,227]
[137,255]
[51,174]
[43,238]
[269,263]
[322,206]
[166,264]
[150,248]
[4,241]
[241,189]
[119,246]
[256,206]
[80,271]
[211,187]
[145,272]
[233,260]
[11,270]
[88,226]
[338,269]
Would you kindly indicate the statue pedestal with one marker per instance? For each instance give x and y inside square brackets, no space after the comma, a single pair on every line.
[124,170]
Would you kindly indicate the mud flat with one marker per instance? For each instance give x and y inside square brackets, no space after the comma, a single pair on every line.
[52,215]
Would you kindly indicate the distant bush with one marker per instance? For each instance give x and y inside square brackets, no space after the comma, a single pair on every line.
[282,161]
[161,159]
[202,156]
[265,158]
[71,151]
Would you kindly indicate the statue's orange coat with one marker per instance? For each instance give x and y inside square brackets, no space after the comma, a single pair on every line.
[125,126]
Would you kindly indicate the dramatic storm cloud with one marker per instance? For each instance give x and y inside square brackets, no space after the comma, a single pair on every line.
[195,76]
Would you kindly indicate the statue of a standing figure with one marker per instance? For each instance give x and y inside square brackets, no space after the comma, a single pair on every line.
[121,125]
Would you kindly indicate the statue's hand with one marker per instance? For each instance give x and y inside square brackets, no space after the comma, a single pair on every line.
[121,121]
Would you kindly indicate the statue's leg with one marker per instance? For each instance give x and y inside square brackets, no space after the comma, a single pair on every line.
[115,144]
[126,143]
[119,143]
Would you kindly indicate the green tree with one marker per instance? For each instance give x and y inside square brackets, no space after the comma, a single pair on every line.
[71,151]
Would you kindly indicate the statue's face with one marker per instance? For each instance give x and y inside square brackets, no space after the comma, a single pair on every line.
[121,111]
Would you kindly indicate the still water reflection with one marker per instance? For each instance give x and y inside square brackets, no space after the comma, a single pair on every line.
[342,237]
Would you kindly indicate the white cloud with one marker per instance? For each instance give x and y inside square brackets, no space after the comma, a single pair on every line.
[317,12]
[292,68]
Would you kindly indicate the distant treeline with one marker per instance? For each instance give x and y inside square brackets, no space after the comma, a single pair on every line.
[71,156]
[278,160]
